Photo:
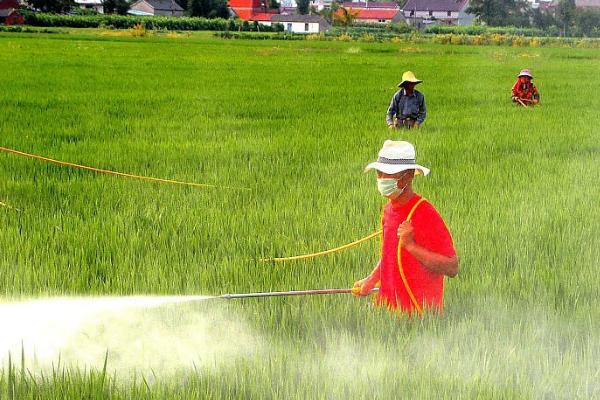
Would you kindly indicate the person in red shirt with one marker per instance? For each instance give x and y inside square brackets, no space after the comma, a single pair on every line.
[417,250]
[524,91]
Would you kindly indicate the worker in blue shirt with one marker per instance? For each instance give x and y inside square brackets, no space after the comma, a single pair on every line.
[407,109]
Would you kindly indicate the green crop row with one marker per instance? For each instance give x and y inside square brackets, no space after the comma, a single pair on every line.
[415,38]
[127,22]
[489,30]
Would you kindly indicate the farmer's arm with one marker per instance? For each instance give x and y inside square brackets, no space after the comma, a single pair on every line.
[431,258]
[422,110]
[515,92]
[366,284]
[392,110]
[434,262]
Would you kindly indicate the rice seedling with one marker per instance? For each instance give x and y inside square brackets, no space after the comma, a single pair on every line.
[296,122]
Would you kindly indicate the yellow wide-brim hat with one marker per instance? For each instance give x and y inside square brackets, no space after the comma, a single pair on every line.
[409,76]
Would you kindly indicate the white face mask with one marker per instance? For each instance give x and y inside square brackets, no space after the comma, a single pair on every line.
[389,187]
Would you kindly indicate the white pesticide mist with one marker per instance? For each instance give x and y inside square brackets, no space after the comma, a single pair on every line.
[138,334]
[529,350]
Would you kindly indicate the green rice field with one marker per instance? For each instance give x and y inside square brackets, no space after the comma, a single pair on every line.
[288,127]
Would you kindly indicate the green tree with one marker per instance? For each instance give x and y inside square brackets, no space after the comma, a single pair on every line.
[55,6]
[501,12]
[587,22]
[302,6]
[209,8]
[116,6]
[183,3]
[345,16]
[543,19]
[565,13]
[328,12]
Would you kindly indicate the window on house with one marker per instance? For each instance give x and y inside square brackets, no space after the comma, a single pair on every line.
[305,27]
[289,27]
[412,13]
[431,13]
[449,13]
[382,20]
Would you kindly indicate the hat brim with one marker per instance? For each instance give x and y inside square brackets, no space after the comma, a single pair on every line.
[529,75]
[394,169]
[403,82]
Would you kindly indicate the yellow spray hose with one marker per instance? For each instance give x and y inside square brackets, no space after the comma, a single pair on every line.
[357,242]
[326,252]
[108,172]
[401,269]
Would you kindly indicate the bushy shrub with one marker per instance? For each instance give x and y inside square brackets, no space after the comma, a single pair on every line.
[534,42]
[315,36]
[344,37]
[518,41]
[367,37]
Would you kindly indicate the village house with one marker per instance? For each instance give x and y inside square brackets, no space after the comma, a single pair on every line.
[96,5]
[167,8]
[251,10]
[255,10]
[449,12]
[302,23]
[375,12]
[9,13]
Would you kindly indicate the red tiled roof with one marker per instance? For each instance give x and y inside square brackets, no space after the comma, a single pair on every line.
[376,14]
[371,4]
[244,3]
[5,4]
[252,15]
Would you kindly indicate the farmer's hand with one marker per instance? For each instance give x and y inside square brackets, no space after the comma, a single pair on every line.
[416,124]
[363,287]
[405,234]
[391,126]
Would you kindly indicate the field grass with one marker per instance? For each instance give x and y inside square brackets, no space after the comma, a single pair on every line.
[297,122]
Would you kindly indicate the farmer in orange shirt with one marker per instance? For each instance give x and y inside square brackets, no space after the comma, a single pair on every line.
[524,91]
[417,249]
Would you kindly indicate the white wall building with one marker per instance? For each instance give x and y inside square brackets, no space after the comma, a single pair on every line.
[301,23]
[95,5]
[451,12]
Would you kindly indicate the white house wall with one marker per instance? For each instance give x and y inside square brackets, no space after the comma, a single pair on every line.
[373,21]
[299,27]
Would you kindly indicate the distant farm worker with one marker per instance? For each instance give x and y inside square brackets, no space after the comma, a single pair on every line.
[524,91]
[417,248]
[407,109]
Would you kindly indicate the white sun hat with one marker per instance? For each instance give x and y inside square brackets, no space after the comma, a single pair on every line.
[397,156]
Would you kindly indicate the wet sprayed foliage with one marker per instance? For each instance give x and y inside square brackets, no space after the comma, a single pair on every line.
[296,122]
